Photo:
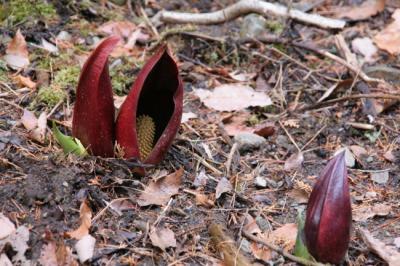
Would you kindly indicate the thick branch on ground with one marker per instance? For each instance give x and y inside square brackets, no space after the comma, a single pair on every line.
[244,7]
[225,245]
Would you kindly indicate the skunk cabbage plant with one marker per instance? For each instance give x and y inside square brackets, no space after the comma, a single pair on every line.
[148,119]
[151,114]
[328,218]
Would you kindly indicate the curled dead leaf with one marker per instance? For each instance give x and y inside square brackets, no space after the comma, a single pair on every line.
[160,191]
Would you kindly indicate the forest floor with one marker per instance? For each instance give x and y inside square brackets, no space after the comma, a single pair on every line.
[306,116]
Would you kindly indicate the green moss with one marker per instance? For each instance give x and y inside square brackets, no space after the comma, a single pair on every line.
[122,76]
[67,77]
[50,96]
[253,120]
[274,26]
[21,10]
[3,72]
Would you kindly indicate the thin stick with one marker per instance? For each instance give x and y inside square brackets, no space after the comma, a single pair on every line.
[230,157]
[352,97]
[336,58]
[244,7]
[290,136]
[281,251]
[312,139]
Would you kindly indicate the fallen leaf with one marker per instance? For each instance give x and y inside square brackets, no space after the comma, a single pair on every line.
[204,200]
[24,82]
[122,29]
[389,156]
[85,248]
[36,126]
[388,39]
[366,10]
[232,97]
[120,205]
[363,213]
[5,261]
[48,255]
[160,191]
[162,237]
[48,46]
[223,186]
[358,151]
[187,116]
[17,55]
[285,236]
[265,129]
[380,177]
[261,252]
[85,216]
[18,242]
[365,47]
[294,162]
[388,253]
[6,227]
[396,242]
[242,77]
[237,123]
[250,225]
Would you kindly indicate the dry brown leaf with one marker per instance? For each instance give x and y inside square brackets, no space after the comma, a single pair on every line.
[160,191]
[162,237]
[237,123]
[223,186]
[388,253]
[363,213]
[389,38]
[204,200]
[261,252]
[17,55]
[24,82]
[250,225]
[285,236]
[294,162]
[120,28]
[232,97]
[85,216]
[366,10]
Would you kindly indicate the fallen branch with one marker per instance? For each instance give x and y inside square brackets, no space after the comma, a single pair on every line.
[352,97]
[250,6]
[281,251]
[353,68]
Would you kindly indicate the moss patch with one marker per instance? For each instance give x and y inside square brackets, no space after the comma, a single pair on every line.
[67,77]
[18,11]
[50,96]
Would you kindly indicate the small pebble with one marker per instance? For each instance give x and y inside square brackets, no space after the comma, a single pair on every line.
[248,141]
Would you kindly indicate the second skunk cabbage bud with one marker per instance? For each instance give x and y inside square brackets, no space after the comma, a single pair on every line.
[328,218]
[151,114]
[93,120]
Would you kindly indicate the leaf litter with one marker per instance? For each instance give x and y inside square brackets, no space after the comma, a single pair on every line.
[42,185]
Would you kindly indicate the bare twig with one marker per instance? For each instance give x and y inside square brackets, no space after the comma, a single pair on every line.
[281,251]
[352,97]
[336,58]
[251,6]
